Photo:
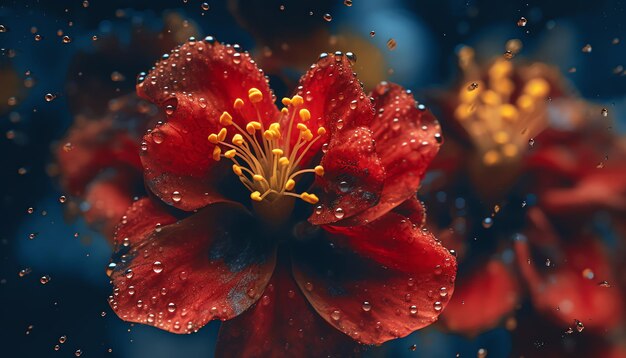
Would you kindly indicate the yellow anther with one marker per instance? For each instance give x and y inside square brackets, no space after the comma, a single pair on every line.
[237,170]
[269,135]
[277,152]
[304,114]
[284,161]
[238,103]
[216,153]
[256,196]
[491,157]
[491,98]
[319,170]
[286,101]
[463,111]
[226,119]
[501,137]
[290,184]
[537,87]
[238,139]
[252,126]
[321,131]
[284,111]
[230,153]
[466,95]
[213,138]
[275,126]
[258,177]
[525,102]
[302,127]
[306,135]
[255,95]
[500,69]
[309,198]
[508,112]
[297,100]
[222,134]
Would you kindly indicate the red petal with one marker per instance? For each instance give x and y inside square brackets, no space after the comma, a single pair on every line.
[196,84]
[335,98]
[407,139]
[282,324]
[108,200]
[184,273]
[353,177]
[566,294]
[92,146]
[379,281]
[481,299]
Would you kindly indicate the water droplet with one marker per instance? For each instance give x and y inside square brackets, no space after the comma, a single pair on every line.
[30,210]
[308,286]
[62,199]
[347,2]
[37,37]
[366,306]
[157,137]
[604,112]
[328,18]
[413,309]
[482,353]
[171,307]
[24,272]
[344,186]
[472,86]
[392,44]
[335,315]
[176,196]
[587,48]
[49,97]
[157,267]
[44,279]
[205,6]
[78,353]
[129,273]
[548,262]
[443,292]
[57,347]
[522,22]
[487,223]
[183,275]
[437,306]
[605,284]
[3,28]
[144,146]
[62,339]
[32,235]
[85,3]
[579,326]
[531,142]
[110,268]
[372,33]
[339,213]
[169,109]
[67,39]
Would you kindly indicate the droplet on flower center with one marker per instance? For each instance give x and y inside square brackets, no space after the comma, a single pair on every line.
[265,159]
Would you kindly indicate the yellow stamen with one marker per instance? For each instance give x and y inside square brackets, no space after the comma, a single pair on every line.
[256,196]
[266,161]
[304,114]
[255,95]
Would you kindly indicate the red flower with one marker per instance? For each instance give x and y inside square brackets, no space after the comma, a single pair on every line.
[230,238]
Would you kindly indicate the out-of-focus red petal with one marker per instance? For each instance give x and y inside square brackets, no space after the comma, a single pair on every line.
[335,98]
[282,324]
[108,198]
[179,275]
[379,281]
[407,139]
[481,299]
[194,86]
[92,146]
[566,295]
[353,177]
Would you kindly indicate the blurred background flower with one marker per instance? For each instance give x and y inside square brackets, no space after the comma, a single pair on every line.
[545,188]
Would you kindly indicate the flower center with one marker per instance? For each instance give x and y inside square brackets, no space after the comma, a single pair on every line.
[499,117]
[264,159]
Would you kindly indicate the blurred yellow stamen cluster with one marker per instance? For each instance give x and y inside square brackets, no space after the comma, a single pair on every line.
[264,159]
[499,111]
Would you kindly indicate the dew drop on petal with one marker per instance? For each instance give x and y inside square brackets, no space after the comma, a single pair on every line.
[339,213]
[171,307]
[44,279]
[205,6]
[335,315]
[328,18]
[67,39]
[366,306]
[413,309]
[176,196]
[437,306]
[49,97]
[522,22]
[157,267]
